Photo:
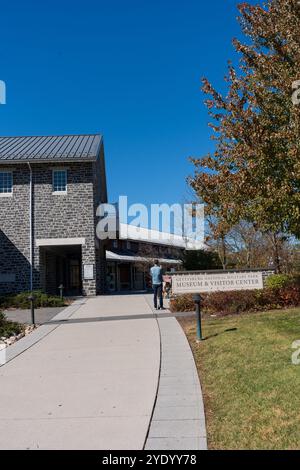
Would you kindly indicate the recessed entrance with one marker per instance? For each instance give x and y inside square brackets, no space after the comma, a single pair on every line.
[122,277]
[125,276]
[61,265]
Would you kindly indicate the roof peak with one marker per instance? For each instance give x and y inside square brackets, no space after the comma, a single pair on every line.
[50,135]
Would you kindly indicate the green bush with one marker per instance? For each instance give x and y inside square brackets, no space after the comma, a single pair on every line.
[8,328]
[40,300]
[278,281]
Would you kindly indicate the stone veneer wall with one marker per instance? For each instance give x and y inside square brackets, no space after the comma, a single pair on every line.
[14,233]
[68,215]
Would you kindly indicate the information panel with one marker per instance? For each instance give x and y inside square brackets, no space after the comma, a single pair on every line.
[88,272]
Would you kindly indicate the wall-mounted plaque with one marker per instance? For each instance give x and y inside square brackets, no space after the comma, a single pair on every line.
[88,272]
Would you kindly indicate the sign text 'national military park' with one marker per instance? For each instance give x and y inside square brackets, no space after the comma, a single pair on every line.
[198,282]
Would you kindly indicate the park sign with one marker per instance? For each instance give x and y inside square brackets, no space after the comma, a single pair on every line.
[197,282]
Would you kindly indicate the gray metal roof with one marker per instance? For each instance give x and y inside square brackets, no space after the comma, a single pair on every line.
[49,148]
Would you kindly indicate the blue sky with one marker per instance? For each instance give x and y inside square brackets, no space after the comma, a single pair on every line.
[128,69]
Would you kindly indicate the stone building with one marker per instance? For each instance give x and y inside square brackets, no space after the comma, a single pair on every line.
[50,188]
[128,263]
[129,260]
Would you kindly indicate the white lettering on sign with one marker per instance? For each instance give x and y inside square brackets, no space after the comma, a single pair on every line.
[194,283]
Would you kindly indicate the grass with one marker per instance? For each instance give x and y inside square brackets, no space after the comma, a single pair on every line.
[251,388]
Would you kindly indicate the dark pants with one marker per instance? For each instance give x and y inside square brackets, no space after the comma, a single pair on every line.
[158,292]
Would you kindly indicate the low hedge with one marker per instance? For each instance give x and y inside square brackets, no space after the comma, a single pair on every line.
[21,300]
[235,302]
[278,281]
[9,328]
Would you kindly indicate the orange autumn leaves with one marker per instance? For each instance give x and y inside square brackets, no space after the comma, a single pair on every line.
[254,172]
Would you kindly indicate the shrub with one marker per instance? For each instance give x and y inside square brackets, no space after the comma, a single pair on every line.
[40,300]
[182,303]
[295,279]
[235,302]
[289,296]
[8,328]
[277,281]
[228,303]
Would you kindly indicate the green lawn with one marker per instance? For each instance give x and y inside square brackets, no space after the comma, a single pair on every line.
[251,388]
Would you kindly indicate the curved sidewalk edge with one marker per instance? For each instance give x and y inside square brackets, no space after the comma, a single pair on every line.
[178,421]
[30,340]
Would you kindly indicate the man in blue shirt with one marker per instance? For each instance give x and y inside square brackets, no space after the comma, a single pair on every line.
[157,284]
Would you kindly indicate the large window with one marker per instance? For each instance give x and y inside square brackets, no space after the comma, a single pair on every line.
[59,181]
[6,182]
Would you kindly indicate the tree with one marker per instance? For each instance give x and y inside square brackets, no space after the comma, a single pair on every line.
[251,248]
[244,240]
[254,172]
[196,260]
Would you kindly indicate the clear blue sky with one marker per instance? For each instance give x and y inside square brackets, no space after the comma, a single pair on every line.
[128,69]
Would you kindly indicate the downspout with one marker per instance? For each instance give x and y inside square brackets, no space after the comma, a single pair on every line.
[31,229]
[31,243]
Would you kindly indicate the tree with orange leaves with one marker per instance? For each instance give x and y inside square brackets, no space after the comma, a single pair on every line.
[254,172]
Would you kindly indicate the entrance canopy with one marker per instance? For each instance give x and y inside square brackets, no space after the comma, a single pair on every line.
[112,256]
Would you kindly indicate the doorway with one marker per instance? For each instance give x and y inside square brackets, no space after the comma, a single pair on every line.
[125,276]
[62,266]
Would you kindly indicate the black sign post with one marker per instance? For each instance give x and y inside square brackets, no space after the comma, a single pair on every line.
[197,300]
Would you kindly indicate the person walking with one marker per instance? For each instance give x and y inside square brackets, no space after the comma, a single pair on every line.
[157,284]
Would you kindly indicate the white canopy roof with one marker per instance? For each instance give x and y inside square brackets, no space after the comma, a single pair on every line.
[131,232]
[111,256]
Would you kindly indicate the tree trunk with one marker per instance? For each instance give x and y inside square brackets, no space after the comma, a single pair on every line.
[276,253]
[223,253]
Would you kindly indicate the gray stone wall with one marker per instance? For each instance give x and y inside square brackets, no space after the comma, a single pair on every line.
[70,215]
[14,233]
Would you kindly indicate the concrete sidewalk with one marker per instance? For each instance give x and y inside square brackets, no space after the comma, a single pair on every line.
[106,373]
[87,384]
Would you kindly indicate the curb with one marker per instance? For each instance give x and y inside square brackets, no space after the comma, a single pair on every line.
[178,420]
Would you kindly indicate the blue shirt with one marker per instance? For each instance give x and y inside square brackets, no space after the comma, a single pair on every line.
[156,274]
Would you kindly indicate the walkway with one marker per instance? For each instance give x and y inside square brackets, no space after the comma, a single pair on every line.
[90,381]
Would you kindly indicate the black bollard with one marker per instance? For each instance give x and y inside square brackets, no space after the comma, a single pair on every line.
[31,300]
[61,288]
[197,300]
